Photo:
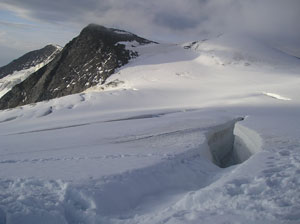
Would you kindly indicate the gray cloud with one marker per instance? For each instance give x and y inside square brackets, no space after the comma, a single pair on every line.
[16,25]
[177,20]
[274,17]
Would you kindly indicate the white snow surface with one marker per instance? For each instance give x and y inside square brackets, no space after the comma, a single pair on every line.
[147,151]
[276,96]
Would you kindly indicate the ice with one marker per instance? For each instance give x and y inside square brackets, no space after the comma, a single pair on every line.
[148,147]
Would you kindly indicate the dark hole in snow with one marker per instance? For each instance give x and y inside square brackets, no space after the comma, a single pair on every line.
[232,144]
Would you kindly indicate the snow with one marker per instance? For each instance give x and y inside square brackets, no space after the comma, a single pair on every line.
[122,32]
[243,50]
[8,82]
[276,96]
[58,47]
[150,148]
[130,45]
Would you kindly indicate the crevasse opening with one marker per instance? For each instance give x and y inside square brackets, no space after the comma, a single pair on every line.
[232,143]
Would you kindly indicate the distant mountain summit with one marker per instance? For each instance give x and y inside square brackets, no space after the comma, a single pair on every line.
[85,61]
[21,68]
[29,60]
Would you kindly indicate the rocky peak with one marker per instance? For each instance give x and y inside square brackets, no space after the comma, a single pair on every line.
[85,61]
[29,60]
[111,35]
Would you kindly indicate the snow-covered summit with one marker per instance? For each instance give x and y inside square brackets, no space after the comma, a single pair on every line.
[238,49]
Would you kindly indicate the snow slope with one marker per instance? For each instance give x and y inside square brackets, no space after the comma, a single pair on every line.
[233,49]
[148,146]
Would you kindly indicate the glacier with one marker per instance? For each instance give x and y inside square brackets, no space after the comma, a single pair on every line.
[186,134]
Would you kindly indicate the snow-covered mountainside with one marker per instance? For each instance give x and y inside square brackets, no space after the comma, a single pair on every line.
[184,133]
[84,62]
[20,69]
[230,49]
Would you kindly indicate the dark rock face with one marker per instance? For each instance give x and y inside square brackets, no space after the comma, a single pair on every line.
[87,60]
[29,60]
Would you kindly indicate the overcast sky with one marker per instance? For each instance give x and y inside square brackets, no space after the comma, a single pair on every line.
[31,24]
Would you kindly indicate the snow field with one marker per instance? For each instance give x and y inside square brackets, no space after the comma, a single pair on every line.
[115,194]
[148,150]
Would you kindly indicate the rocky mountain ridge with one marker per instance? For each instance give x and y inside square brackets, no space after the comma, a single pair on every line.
[87,60]
[21,68]
[30,59]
